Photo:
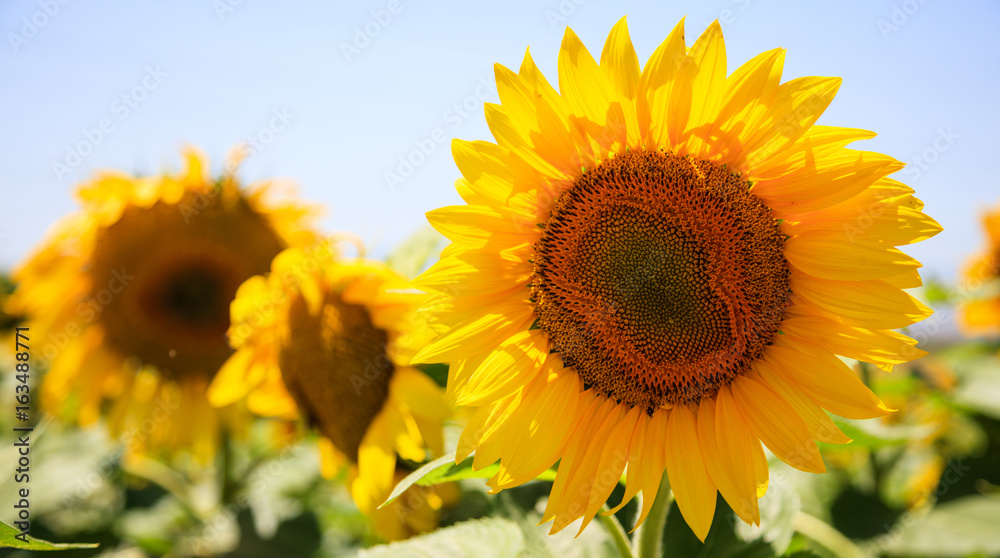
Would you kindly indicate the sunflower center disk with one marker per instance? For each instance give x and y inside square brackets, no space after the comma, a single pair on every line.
[335,365]
[163,278]
[659,278]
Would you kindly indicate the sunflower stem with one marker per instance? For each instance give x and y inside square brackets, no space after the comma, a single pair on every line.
[617,533]
[821,532]
[226,485]
[649,535]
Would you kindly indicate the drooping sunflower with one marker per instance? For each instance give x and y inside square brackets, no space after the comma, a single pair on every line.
[329,341]
[656,269]
[127,301]
[980,314]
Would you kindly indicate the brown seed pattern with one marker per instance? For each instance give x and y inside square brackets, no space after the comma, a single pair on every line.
[659,278]
[335,366]
[162,280]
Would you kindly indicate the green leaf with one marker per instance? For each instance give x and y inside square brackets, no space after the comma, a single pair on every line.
[961,527]
[410,257]
[493,537]
[420,473]
[874,434]
[8,539]
[444,469]
[458,471]
[980,390]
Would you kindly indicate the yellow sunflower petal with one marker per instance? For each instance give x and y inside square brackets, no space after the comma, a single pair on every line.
[689,479]
[707,88]
[734,485]
[658,79]
[621,66]
[828,381]
[817,421]
[514,363]
[829,255]
[869,304]
[530,450]
[589,94]
[734,435]
[777,424]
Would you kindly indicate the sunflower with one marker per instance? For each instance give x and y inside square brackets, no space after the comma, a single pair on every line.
[128,300]
[655,271]
[330,341]
[981,313]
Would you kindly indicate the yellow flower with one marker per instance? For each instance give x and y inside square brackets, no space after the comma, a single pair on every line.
[656,269]
[128,300]
[330,341]
[981,315]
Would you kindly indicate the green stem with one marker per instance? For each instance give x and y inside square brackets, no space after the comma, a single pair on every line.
[821,532]
[649,535]
[617,533]
[226,484]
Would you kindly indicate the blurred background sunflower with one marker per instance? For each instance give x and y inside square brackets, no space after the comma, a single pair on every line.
[330,340]
[128,300]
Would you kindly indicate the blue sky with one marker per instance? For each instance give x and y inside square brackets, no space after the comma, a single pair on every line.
[335,93]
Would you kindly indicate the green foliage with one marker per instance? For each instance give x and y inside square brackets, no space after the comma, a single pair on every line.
[8,539]
[444,469]
[484,538]
[411,256]
[964,527]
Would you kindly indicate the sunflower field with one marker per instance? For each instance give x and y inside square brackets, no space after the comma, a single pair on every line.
[652,289]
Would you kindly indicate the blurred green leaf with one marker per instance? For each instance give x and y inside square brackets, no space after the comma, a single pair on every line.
[483,538]
[437,372]
[958,528]
[593,542]
[937,291]
[980,390]
[913,475]
[8,539]
[463,470]
[420,473]
[875,434]
[444,469]
[410,257]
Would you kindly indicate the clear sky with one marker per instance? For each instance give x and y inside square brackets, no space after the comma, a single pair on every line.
[334,93]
